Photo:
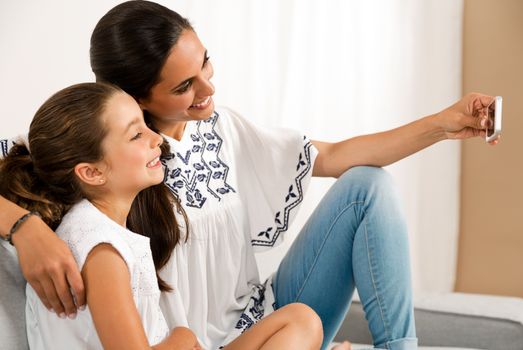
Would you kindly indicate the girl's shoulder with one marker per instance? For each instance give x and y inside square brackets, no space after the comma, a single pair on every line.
[84,227]
[84,218]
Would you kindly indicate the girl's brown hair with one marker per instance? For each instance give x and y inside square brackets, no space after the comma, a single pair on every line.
[68,130]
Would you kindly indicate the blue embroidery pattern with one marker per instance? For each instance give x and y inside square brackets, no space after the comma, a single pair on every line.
[202,166]
[3,147]
[293,198]
[254,311]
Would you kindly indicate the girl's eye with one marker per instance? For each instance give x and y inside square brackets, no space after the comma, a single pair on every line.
[137,136]
[206,59]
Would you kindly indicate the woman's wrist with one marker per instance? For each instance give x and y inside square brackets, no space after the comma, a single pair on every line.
[435,127]
[17,225]
[9,214]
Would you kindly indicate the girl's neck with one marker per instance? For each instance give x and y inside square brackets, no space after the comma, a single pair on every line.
[116,209]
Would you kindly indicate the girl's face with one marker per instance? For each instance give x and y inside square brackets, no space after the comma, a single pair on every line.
[184,91]
[131,150]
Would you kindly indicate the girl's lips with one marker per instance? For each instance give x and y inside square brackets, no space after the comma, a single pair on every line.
[202,105]
[154,163]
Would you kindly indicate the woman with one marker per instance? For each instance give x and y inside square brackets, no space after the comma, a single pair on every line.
[356,236]
[93,174]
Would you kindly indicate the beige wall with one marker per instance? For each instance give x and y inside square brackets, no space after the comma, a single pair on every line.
[491,229]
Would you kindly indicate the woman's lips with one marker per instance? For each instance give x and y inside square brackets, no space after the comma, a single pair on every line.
[202,105]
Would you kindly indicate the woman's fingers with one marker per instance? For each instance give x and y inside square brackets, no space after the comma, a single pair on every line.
[49,267]
[76,283]
[474,122]
[41,294]
[495,141]
[52,297]
[479,103]
[64,293]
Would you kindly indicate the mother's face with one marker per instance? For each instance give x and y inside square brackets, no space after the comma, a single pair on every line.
[184,91]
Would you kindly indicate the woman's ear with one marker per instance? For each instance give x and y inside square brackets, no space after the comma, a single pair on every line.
[90,174]
[142,103]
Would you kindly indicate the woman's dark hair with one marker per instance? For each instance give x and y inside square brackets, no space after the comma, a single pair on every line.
[131,43]
[67,130]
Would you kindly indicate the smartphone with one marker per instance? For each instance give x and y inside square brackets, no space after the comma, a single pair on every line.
[494,110]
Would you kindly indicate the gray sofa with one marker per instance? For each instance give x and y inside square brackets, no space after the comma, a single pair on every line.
[454,320]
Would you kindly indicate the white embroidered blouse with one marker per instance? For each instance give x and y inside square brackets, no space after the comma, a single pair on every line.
[241,186]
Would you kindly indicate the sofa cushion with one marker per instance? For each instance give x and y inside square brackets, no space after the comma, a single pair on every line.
[454,320]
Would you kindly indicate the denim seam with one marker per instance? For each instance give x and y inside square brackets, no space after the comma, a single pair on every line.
[377,294]
[329,231]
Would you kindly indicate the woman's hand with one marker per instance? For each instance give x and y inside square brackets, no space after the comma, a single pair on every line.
[48,265]
[466,118]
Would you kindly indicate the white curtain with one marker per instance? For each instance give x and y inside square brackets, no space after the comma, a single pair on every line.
[334,69]
[337,69]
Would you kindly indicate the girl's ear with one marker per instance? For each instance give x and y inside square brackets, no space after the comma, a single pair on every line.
[90,174]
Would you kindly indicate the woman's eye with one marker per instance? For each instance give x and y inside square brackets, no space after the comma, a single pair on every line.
[137,136]
[183,88]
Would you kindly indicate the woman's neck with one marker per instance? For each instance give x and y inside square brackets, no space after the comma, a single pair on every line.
[174,130]
[116,209]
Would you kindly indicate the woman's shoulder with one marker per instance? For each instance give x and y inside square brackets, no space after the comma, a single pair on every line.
[225,114]
[229,121]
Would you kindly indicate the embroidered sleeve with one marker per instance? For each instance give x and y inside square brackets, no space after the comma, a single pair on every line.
[7,144]
[292,198]
[274,170]
[3,148]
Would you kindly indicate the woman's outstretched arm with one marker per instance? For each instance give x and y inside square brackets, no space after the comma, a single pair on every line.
[462,120]
[45,260]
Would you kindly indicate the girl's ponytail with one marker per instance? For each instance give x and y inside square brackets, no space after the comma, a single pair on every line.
[66,130]
[20,184]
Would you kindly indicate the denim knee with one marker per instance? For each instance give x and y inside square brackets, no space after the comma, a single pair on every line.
[367,180]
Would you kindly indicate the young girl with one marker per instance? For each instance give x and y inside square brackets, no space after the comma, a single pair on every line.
[91,169]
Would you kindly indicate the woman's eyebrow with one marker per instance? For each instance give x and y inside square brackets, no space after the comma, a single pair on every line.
[205,59]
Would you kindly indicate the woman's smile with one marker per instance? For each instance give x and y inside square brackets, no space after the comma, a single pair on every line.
[202,105]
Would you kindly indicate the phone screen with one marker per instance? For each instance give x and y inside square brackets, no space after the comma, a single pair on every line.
[491,112]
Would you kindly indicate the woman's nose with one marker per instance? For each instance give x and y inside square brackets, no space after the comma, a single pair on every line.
[205,87]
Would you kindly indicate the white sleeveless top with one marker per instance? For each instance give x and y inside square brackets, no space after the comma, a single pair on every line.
[83,228]
[241,186]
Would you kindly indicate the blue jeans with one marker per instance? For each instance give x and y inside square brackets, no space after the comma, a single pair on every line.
[356,238]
